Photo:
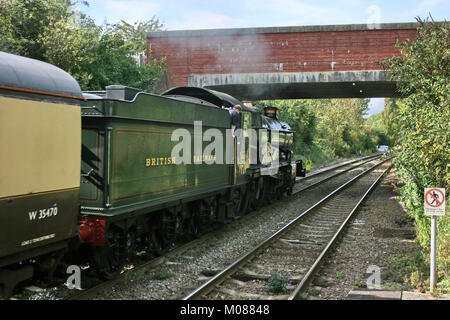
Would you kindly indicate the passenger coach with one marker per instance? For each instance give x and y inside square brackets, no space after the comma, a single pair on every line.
[40,139]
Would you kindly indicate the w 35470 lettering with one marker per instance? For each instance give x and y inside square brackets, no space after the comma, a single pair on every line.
[43,213]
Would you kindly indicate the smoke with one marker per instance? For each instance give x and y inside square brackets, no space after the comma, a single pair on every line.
[248,53]
[374,20]
[212,52]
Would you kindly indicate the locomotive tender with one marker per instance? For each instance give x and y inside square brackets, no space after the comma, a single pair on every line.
[136,190]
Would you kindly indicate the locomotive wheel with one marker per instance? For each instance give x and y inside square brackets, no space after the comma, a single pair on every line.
[258,194]
[208,214]
[107,261]
[193,228]
[290,190]
[269,193]
[280,193]
[237,203]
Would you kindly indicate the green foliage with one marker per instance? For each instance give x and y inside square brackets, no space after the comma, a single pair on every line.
[22,22]
[377,129]
[327,128]
[298,115]
[409,269]
[162,275]
[96,56]
[340,126]
[71,49]
[119,57]
[390,121]
[277,283]
[339,276]
[422,120]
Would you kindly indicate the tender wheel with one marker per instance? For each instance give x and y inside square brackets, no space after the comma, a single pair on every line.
[105,262]
[159,244]
[193,228]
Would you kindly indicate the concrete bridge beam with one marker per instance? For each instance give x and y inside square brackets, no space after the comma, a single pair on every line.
[300,85]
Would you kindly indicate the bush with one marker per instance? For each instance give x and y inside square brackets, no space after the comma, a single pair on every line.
[277,283]
[422,72]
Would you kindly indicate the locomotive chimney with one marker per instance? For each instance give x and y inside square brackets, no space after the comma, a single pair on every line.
[270,112]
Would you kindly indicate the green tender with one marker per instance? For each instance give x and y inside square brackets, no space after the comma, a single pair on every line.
[127,166]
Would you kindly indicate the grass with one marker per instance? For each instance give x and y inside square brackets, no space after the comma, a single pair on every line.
[277,283]
[161,275]
[179,259]
[339,276]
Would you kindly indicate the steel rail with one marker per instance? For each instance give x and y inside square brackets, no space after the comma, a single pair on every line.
[309,275]
[364,160]
[85,293]
[216,280]
[320,171]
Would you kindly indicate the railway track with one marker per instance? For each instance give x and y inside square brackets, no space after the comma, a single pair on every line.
[307,184]
[325,174]
[328,169]
[303,184]
[291,256]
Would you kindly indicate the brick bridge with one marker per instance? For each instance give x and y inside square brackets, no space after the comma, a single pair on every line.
[336,61]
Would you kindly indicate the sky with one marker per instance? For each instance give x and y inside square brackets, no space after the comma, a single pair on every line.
[217,14]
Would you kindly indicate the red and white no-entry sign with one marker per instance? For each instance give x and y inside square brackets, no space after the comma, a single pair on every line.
[434,203]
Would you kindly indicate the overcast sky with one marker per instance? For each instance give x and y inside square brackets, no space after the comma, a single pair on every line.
[211,14]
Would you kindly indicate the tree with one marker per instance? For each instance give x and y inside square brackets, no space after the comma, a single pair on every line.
[299,117]
[389,118]
[71,48]
[422,71]
[120,54]
[379,135]
[52,31]
[22,22]
[339,125]
[326,128]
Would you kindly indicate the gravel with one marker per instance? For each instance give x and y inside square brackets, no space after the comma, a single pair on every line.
[178,276]
[380,231]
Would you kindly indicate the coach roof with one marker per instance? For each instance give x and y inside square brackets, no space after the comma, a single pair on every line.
[34,76]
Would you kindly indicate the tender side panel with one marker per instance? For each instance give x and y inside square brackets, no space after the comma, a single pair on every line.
[143,166]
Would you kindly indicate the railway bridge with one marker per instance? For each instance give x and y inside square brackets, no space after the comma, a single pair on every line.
[299,62]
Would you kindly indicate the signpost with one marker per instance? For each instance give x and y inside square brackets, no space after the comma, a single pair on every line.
[434,206]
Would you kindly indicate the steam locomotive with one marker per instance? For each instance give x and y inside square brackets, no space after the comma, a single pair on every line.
[102,175]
